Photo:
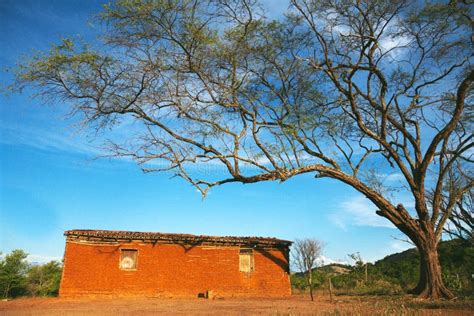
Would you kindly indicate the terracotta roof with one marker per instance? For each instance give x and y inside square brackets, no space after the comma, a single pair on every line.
[174,238]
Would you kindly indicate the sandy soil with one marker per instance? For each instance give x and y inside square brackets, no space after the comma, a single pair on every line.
[296,305]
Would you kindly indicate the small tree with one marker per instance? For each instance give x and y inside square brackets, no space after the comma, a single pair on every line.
[305,255]
[360,265]
[13,269]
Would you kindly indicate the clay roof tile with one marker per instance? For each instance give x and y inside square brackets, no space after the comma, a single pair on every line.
[174,238]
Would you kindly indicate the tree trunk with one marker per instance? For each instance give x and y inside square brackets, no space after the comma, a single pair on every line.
[7,290]
[366,274]
[310,283]
[430,284]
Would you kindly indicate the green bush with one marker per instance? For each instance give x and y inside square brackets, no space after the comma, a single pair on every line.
[43,280]
[18,278]
[378,287]
[13,268]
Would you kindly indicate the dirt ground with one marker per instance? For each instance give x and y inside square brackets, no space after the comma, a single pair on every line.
[295,305]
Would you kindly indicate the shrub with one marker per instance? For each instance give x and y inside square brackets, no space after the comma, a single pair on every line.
[13,268]
[18,278]
[43,280]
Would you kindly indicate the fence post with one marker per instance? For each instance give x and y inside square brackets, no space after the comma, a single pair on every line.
[330,289]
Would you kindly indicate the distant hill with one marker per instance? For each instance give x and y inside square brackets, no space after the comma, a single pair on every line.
[330,269]
[452,253]
[335,268]
[400,256]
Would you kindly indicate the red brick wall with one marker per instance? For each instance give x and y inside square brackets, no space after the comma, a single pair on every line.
[172,270]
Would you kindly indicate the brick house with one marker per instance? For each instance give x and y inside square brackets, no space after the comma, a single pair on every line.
[121,263]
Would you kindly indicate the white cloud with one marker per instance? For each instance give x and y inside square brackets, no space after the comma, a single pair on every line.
[320,261]
[358,211]
[395,44]
[45,140]
[394,177]
[323,260]
[392,40]
[41,259]
[399,245]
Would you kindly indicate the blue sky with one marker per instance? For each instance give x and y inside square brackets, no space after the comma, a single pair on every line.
[51,179]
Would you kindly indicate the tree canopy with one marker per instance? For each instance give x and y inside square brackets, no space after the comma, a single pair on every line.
[13,268]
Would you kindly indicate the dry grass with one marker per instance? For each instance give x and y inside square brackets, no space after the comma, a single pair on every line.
[295,305]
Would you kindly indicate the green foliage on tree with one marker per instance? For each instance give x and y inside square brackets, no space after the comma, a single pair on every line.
[13,268]
[18,278]
[43,280]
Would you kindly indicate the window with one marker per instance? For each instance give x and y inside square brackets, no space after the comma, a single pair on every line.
[246,263]
[128,259]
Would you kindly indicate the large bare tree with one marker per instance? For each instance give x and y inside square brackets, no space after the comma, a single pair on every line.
[336,88]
